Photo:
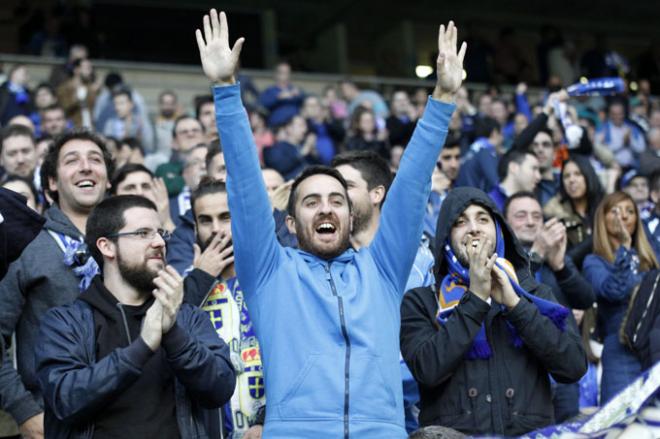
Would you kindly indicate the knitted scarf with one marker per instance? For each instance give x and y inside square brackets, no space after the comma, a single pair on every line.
[456,283]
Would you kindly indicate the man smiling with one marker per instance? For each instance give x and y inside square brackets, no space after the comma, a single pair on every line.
[327,316]
[53,269]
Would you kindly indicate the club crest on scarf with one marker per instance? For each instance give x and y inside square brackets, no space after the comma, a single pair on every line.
[456,283]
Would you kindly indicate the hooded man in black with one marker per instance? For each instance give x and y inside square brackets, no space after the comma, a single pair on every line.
[483,344]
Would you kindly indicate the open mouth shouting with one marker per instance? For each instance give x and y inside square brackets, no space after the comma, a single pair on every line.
[326,230]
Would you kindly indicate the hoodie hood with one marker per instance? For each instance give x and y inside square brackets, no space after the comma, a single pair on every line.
[456,202]
[58,222]
[123,318]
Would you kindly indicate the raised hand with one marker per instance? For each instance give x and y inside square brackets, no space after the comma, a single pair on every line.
[219,61]
[449,63]
[620,230]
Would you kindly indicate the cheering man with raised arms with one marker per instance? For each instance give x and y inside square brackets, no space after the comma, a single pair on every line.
[327,317]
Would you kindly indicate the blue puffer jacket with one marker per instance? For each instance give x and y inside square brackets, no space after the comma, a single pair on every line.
[75,385]
[328,329]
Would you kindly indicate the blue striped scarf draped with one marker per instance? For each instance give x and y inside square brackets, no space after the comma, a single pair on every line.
[456,283]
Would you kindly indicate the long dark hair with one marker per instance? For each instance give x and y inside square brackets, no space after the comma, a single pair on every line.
[595,190]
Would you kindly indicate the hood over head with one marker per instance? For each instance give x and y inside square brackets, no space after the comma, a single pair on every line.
[457,201]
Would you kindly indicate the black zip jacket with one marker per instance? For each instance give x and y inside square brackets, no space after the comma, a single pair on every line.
[77,385]
[509,393]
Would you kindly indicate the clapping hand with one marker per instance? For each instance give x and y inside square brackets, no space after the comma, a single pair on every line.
[169,293]
[481,265]
[219,61]
[449,65]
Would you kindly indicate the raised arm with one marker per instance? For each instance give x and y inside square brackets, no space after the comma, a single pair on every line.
[256,250]
[398,236]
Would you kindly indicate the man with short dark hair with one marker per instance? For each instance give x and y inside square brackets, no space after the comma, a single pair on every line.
[445,174]
[479,168]
[127,123]
[483,343]
[135,179]
[518,171]
[326,315]
[205,113]
[127,358]
[54,268]
[18,153]
[168,111]
[213,286]
[53,120]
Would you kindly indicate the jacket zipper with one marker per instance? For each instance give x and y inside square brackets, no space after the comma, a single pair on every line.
[123,317]
[347,357]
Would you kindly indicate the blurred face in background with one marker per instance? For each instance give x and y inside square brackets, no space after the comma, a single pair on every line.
[638,189]
[19,156]
[207,118]
[617,114]
[544,150]
[367,123]
[574,181]
[282,73]
[167,105]
[123,105]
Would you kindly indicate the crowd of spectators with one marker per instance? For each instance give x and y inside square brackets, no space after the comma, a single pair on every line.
[575,181]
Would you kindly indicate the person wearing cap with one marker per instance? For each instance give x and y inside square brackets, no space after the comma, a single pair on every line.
[485,341]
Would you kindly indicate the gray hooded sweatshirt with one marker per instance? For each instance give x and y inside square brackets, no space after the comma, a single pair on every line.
[36,282]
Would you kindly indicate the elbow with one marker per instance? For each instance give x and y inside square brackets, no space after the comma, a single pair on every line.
[573,370]
[219,394]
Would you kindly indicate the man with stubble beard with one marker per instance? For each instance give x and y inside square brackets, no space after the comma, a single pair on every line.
[327,316]
[127,358]
[213,286]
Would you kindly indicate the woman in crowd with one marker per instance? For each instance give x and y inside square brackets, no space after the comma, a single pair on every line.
[366,134]
[621,256]
[25,187]
[579,194]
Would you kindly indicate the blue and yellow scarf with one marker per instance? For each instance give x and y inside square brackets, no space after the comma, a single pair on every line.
[456,283]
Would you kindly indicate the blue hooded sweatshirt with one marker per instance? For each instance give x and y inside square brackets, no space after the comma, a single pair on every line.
[328,329]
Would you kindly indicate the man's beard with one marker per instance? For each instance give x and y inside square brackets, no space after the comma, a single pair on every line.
[305,243]
[139,276]
[361,218]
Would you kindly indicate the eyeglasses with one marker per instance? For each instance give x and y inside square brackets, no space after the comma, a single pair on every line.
[145,234]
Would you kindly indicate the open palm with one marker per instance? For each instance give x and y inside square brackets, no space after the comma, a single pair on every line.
[449,62]
[219,61]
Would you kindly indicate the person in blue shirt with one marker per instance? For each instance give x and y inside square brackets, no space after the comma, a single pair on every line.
[283,100]
[327,316]
[518,171]
[479,168]
[621,256]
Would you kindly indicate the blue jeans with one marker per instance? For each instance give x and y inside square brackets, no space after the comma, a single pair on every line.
[620,368]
